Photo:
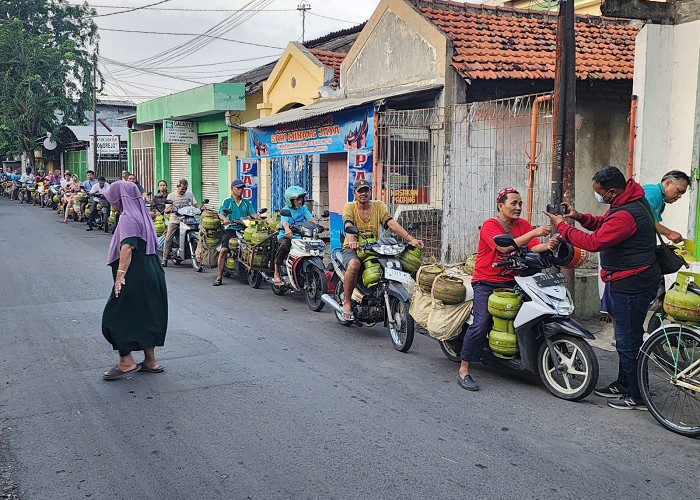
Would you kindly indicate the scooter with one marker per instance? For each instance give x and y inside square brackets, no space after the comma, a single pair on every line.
[387,300]
[25,192]
[54,191]
[550,344]
[303,269]
[184,244]
[103,210]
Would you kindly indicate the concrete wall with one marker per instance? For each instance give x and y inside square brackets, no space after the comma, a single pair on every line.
[667,82]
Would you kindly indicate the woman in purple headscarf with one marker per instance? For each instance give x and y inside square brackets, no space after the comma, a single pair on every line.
[136,315]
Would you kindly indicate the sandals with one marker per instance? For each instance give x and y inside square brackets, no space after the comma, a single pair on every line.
[115,373]
[347,316]
[217,282]
[279,282]
[157,369]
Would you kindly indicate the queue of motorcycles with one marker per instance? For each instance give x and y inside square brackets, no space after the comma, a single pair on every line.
[185,241]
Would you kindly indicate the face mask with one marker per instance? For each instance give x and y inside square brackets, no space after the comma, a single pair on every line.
[598,197]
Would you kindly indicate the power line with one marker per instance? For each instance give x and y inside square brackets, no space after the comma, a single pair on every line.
[335,18]
[192,34]
[143,70]
[133,9]
[182,9]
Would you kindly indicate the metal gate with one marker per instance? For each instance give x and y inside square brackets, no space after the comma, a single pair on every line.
[179,164]
[289,171]
[142,163]
[210,169]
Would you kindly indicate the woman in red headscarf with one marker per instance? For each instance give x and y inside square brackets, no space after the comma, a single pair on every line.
[136,315]
[487,278]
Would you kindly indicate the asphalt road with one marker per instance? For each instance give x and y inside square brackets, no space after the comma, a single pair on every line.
[263,399]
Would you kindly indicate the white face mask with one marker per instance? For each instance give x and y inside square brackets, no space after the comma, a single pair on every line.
[598,197]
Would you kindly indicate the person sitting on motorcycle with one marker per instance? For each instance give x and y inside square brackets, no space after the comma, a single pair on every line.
[25,178]
[294,196]
[86,187]
[65,180]
[487,278]
[158,199]
[239,208]
[17,185]
[366,215]
[72,190]
[181,197]
[40,178]
[97,195]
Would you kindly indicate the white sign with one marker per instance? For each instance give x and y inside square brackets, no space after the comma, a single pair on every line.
[177,132]
[106,144]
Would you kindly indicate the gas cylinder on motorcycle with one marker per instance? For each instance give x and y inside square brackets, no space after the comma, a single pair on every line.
[504,305]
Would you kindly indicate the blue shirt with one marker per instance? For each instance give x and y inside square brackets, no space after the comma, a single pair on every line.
[298,216]
[87,184]
[238,211]
[654,193]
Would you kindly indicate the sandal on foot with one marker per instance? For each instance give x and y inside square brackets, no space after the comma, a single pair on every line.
[347,316]
[115,372]
[157,369]
[278,282]
[217,282]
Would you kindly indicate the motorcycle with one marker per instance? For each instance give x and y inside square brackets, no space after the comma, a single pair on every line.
[387,301]
[550,344]
[103,211]
[25,192]
[246,254]
[186,238]
[303,269]
[54,196]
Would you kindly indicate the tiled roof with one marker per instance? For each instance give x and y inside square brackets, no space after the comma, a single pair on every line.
[338,41]
[331,60]
[495,42]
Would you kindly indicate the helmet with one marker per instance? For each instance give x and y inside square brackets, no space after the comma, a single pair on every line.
[569,256]
[292,193]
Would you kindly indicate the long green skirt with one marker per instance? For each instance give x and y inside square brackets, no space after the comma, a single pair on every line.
[138,318]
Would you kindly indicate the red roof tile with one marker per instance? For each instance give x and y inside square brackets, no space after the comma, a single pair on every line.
[332,60]
[496,42]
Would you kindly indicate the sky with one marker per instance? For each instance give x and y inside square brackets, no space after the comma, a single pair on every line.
[126,59]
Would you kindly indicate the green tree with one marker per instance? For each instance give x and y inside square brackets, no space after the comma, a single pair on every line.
[45,69]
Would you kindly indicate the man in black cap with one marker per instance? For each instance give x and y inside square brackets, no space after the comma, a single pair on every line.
[240,208]
[367,216]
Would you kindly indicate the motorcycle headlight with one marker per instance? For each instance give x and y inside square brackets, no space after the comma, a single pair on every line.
[563,307]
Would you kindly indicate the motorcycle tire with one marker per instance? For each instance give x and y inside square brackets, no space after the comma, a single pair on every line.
[316,286]
[580,362]
[196,264]
[338,296]
[452,349]
[279,290]
[402,335]
[254,278]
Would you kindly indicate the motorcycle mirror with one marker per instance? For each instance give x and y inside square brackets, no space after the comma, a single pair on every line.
[149,193]
[262,210]
[325,213]
[285,212]
[168,202]
[206,200]
[503,240]
[413,225]
[227,211]
[352,230]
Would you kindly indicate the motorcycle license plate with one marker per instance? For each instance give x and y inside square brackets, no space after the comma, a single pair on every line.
[549,279]
[396,275]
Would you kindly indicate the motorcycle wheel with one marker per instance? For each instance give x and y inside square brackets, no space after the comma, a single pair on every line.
[279,290]
[402,335]
[580,368]
[338,296]
[316,286]
[254,278]
[452,349]
[196,264]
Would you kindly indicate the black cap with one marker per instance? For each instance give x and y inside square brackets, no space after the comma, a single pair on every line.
[361,183]
[237,184]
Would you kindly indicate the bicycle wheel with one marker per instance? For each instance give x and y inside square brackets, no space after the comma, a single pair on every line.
[670,350]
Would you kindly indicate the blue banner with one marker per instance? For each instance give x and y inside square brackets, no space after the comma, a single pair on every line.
[333,133]
[360,166]
[247,171]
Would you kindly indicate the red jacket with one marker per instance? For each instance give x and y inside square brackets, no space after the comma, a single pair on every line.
[608,229]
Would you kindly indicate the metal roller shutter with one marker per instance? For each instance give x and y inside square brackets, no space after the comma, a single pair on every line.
[179,164]
[210,170]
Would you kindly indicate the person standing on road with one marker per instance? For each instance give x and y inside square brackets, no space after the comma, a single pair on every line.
[239,208]
[673,185]
[487,278]
[136,315]
[181,197]
[626,240]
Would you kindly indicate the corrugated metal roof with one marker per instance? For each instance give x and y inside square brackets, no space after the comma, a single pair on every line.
[331,105]
[84,132]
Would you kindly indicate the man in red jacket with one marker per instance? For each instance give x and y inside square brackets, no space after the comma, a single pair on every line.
[626,240]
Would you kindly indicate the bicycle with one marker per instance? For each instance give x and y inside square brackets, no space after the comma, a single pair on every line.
[668,372]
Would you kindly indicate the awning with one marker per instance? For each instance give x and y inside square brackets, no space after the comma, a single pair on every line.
[333,104]
[84,132]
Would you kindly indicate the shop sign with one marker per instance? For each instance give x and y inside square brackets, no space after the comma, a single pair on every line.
[106,144]
[359,167]
[247,171]
[179,132]
[334,133]
[408,196]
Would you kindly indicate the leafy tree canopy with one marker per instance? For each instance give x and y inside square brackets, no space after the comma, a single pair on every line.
[45,69]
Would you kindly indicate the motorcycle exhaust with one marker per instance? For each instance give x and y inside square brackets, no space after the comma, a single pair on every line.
[331,302]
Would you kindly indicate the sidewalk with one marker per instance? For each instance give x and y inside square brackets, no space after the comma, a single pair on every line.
[603,333]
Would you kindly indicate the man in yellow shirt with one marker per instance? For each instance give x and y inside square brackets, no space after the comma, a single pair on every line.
[366,215]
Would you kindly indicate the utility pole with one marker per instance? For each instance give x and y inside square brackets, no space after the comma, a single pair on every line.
[303,7]
[94,112]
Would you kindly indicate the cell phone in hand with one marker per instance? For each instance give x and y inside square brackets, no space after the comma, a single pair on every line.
[558,208]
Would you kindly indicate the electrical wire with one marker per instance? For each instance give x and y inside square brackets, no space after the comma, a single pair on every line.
[132,10]
[192,34]
[334,18]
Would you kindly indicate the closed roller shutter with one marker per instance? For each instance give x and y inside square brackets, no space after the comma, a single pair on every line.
[210,170]
[179,164]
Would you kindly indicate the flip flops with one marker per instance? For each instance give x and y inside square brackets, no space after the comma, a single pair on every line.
[115,373]
[157,369]
[347,316]
[217,282]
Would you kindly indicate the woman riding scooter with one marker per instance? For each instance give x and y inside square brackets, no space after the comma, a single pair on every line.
[487,278]
[294,196]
